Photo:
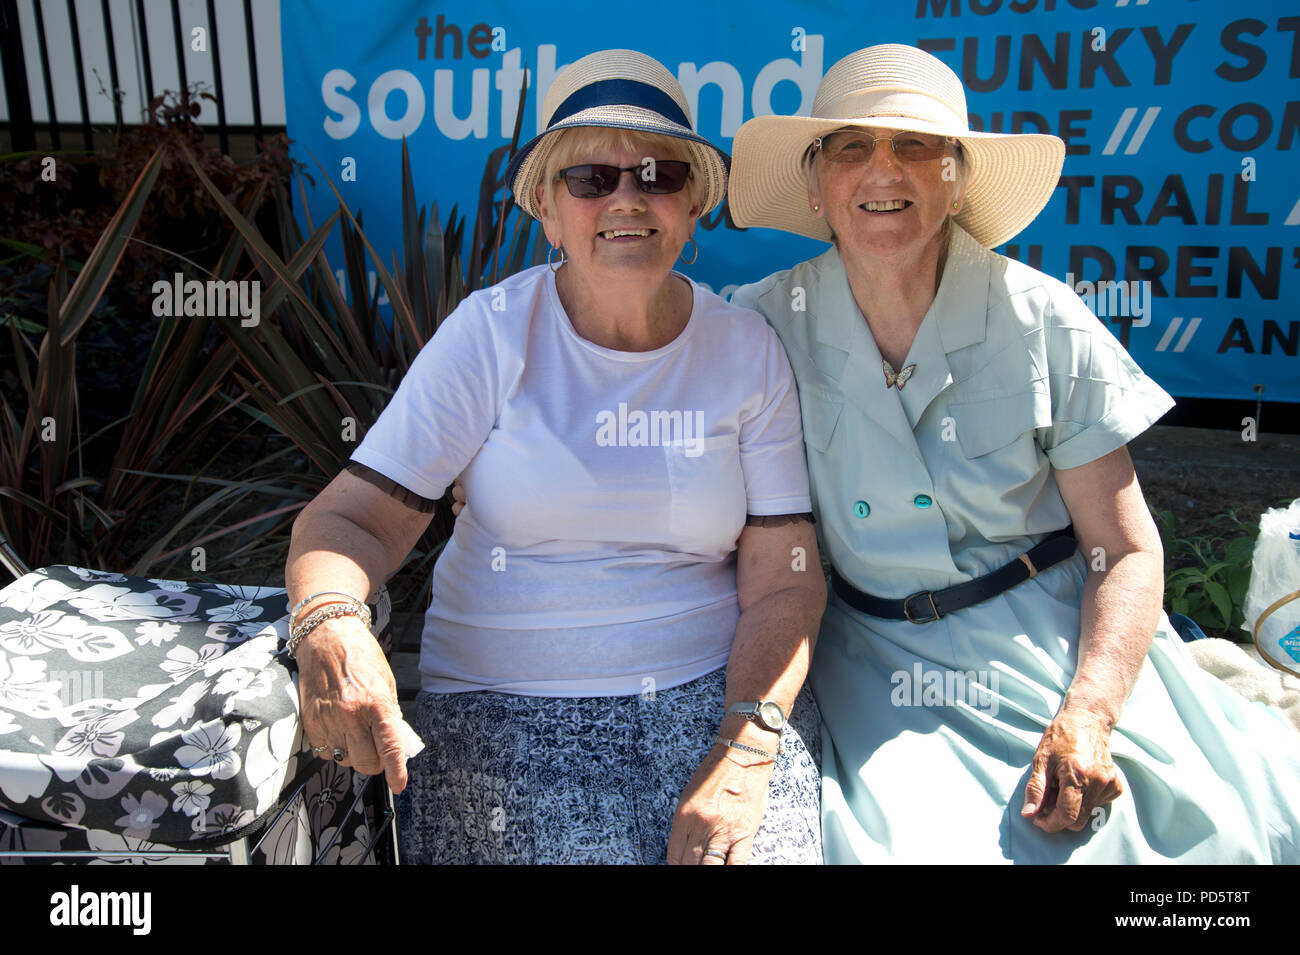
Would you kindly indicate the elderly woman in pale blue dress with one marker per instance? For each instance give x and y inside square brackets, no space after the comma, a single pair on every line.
[989,691]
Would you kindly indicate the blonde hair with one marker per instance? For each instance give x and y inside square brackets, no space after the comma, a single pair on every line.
[573,145]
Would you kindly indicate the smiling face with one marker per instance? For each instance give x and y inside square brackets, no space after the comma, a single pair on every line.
[883,208]
[628,234]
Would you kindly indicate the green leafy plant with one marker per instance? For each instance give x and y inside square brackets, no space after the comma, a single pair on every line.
[315,367]
[61,204]
[319,369]
[1206,577]
[72,495]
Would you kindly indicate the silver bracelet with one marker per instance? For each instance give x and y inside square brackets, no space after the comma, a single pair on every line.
[356,608]
[317,617]
[293,612]
[749,749]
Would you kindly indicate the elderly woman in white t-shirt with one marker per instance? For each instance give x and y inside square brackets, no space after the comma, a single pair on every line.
[625,612]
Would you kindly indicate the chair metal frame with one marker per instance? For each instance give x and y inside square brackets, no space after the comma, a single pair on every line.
[382,847]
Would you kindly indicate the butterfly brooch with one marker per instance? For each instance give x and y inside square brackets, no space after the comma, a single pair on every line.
[900,378]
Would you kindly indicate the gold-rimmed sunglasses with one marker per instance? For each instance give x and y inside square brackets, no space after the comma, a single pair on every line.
[854,146]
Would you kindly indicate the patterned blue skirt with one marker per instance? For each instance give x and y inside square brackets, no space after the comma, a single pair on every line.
[529,779]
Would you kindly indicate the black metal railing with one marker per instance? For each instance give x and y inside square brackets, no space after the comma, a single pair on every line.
[17,51]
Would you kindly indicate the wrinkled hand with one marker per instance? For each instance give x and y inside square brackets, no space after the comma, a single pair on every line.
[720,809]
[348,699]
[1071,773]
[457,498]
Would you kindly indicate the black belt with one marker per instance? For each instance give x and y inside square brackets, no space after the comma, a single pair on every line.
[927,605]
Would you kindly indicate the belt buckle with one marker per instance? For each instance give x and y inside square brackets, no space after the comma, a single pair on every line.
[907,607]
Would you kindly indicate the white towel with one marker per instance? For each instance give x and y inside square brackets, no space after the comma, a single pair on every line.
[1241,667]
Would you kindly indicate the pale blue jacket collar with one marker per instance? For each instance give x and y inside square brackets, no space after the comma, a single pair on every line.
[846,352]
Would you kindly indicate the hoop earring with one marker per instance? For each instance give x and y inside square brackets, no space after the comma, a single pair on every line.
[692,259]
[550,251]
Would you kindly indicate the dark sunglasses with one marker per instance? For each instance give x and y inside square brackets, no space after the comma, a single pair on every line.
[658,178]
[855,147]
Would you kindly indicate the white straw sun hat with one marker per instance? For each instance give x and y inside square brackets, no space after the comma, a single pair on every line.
[1008,179]
[619,89]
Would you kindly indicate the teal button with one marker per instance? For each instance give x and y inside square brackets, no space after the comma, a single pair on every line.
[922,500]
[862,508]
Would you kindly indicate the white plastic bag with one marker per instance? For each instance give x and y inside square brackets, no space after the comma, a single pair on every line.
[1272,608]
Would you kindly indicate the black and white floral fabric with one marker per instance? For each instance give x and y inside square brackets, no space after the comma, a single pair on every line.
[529,780]
[140,714]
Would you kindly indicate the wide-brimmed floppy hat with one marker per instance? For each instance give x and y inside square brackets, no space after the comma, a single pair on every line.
[1008,180]
[619,89]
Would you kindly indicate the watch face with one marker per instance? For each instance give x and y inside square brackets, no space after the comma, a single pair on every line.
[771,715]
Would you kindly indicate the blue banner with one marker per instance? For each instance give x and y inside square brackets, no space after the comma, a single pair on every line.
[1177,216]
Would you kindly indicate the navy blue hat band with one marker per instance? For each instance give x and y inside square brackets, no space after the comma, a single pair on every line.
[620,93]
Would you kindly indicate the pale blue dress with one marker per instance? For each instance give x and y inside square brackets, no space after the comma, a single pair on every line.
[929,729]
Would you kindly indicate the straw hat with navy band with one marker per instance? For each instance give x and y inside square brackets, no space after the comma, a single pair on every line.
[1008,178]
[619,89]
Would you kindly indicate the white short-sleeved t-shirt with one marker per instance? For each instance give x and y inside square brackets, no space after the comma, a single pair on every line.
[606,490]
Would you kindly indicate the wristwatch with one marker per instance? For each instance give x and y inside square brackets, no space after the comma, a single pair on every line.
[763,712]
